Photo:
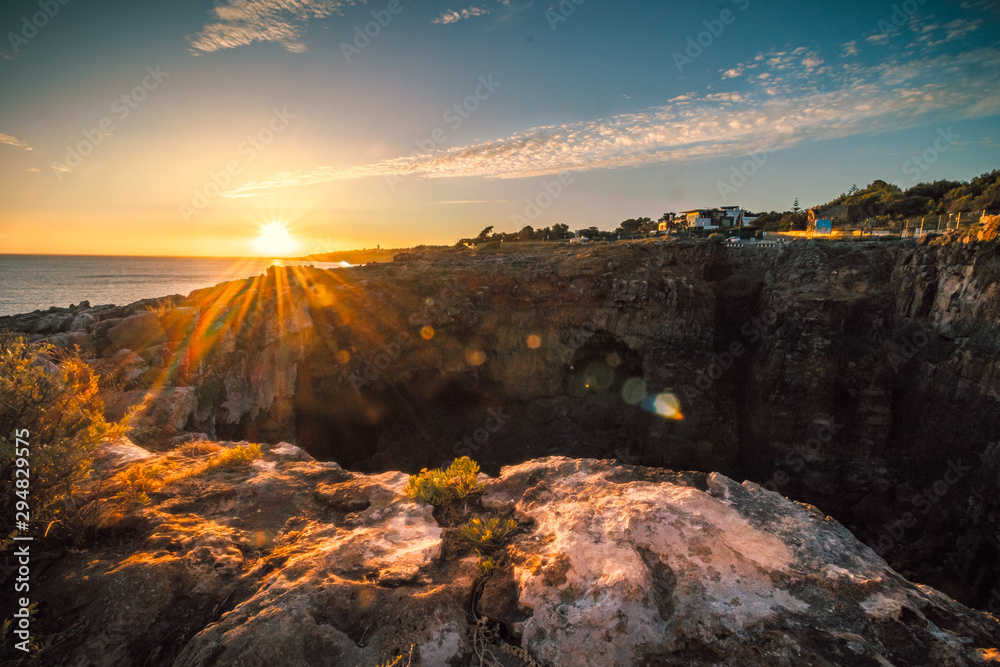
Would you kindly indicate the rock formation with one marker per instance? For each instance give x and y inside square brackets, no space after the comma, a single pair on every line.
[863,378]
[288,560]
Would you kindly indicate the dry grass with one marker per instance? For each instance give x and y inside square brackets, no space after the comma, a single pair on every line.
[198,448]
[135,483]
[237,457]
[160,309]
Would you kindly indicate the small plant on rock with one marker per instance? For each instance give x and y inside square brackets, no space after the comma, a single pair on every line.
[488,532]
[138,482]
[441,486]
[237,457]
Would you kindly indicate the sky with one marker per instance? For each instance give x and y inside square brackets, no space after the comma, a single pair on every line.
[184,128]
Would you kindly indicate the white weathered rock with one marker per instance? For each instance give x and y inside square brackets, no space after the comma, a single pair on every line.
[118,453]
[627,568]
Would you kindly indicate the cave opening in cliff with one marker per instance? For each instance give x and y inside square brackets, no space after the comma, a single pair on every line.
[611,413]
[338,429]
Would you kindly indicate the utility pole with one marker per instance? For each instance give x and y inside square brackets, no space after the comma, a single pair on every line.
[939,224]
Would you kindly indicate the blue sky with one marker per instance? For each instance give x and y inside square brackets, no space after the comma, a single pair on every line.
[244,112]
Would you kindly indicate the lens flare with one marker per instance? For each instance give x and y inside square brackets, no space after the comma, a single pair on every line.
[668,406]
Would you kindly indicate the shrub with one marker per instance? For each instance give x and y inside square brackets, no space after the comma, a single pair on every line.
[161,308]
[57,404]
[236,457]
[139,481]
[441,486]
[198,448]
[488,532]
[716,238]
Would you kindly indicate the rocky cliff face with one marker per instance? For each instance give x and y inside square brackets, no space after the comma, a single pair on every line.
[293,561]
[862,378]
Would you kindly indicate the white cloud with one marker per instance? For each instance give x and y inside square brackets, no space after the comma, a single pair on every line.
[242,22]
[802,100]
[850,49]
[453,16]
[732,73]
[11,141]
[959,28]
[33,170]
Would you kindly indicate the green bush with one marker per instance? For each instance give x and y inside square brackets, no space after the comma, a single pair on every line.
[441,486]
[51,417]
[488,532]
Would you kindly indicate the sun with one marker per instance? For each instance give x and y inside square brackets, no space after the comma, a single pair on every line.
[275,241]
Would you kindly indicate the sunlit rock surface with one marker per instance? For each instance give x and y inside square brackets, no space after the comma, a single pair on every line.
[293,561]
[625,566]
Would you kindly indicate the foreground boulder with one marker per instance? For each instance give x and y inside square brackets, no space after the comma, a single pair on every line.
[631,566]
[284,560]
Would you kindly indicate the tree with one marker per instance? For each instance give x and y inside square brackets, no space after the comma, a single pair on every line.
[486,232]
[634,226]
[526,234]
[853,190]
[560,231]
[795,206]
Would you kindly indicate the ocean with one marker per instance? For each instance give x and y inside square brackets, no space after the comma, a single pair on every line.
[32,282]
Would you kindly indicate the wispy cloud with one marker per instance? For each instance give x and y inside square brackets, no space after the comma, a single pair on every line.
[850,49]
[454,16]
[11,141]
[242,22]
[472,201]
[794,97]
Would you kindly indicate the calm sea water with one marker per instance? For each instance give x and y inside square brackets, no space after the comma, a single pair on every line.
[30,282]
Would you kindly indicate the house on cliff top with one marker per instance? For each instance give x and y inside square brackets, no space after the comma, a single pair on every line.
[825,219]
[724,217]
